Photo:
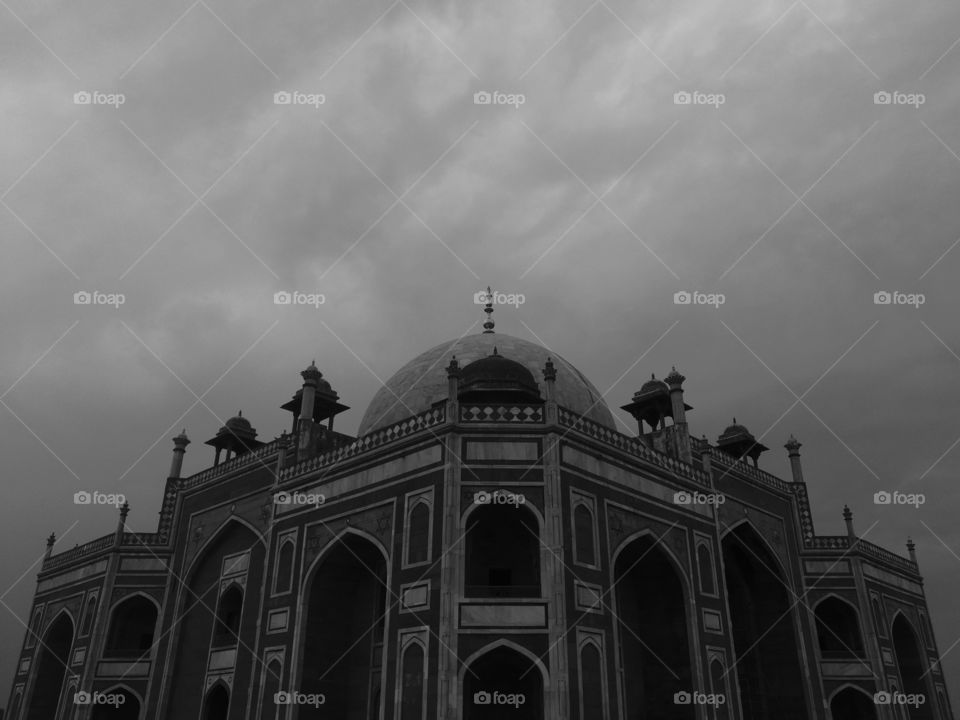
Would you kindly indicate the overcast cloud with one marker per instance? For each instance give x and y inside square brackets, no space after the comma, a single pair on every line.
[797,198]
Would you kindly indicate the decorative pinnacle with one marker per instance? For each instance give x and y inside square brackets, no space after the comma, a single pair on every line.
[674,379]
[549,371]
[847,513]
[51,540]
[124,510]
[311,372]
[453,368]
[181,440]
[488,309]
[793,445]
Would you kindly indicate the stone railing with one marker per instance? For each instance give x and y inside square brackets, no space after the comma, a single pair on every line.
[730,464]
[405,428]
[875,552]
[140,539]
[77,553]
[628,444]
[258,456]
[501,413]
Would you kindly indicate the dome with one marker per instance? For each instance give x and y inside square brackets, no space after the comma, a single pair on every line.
[238,422]
[496,374]
[423,381]
[653,385]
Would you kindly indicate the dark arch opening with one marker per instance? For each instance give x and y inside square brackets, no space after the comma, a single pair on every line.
[851,704]
[51,668]
[583,529]
[419,534]
[126,709]
[494,683]
[344,632]
[89,616]
[271,686]
[911,666]
[131,629]
[591,682]
[838,629]
[284,567]
[718,686]
[705,564]
[768,657]
[229,609]
[217,704]
[652,626]
[411,699]
[197,606]
[502,552]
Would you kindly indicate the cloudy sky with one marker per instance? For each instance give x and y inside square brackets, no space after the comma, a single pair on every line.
[588,184]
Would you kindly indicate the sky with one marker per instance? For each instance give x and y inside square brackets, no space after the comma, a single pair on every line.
[778,164]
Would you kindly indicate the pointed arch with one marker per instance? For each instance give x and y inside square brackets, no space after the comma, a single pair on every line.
[839,634]
[654,632]
[763,620]
[283,570]
[852,702]
[912,664]
[340,640]
[52,662]
[216,702]
[131,709]
[131,626]
[216,536]
[502,667]
[503,553]
[759,536]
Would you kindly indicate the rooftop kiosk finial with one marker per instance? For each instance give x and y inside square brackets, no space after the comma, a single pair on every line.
[488,309]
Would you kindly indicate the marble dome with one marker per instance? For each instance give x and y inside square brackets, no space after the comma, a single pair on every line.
[423,381]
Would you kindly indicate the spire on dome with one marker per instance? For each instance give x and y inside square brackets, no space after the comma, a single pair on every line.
[488,309]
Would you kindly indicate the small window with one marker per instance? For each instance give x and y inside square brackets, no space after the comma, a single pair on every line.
[583,529]
[705,562]
[418,538]
[227,626]
[284,571]
[88,616]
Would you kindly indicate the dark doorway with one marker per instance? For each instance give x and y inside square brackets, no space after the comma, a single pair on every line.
[651,611]
[502,684]
[911,667]
[502,552]
[52,663]
[344,633]
[217,704]
[853,704]
[838,630]
[764,640]
[131,628]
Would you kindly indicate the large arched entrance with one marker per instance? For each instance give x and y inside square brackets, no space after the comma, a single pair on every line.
[52,663]
[852,704]
[502,552]
[911,666]
[343,632]
[651,613]
[764,640]
[503,683]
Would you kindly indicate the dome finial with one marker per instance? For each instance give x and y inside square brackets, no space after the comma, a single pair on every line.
[488,309]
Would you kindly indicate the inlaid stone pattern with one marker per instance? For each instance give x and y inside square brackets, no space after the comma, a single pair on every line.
[204,525]
[121,592]
[377,521]
[502,413]
[623,524]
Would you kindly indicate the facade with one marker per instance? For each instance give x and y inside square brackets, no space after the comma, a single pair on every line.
[488,546]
